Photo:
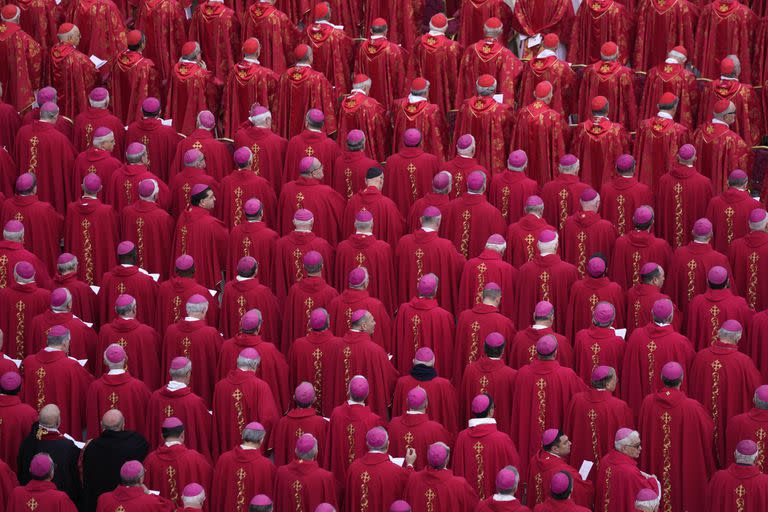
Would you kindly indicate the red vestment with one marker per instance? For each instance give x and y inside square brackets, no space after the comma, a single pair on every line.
[218,158]
[417,431]
[544,278]
[348,426]
[132,499]
[172,296]
[719,150]
[248,82]
[169,469]
[50,377]
[326,205]
[688,269]
[487,267]
[729,213]
[388,223]
[303,485]
[439,201]
[748,123]
[522,349]
[42,494]
[531,18]
[542,468]
[385,63]
[632,251]
[619,480]
[191,89]
[20,66]
[374,480]
[12,253]
[120,391]
[681,205]
[409,175]
[201,344]
[561,198]
[675,78]
[102,27]
[744,255]
[492,376]
[309,143]
[150,228]
[217,28]
[244,294]
[428,118]
[131,280]
[288,260]
[240,473]
[342,306]
[737,486]
[310,293]
[73,75]
[596,346]
[472,16]
[669,418]
[460,168]
[289,428]
[11,122]
[160,141]
[753,425]
[99,162]
[300,89]
[661,25]
[707,312]
[542,392]
[17,419]
[241,185]
[443,400]
[349,170]
[658,139]
[163,22]
[470,221]
[617,83]
[313,358]
[203,237]
[363,250]
[132,79]
[276,33]
[488,56]
[596,23]
[648,349]
[592,416]
[555,71]
[436,58]
[491,504]
[360,112]
[491,125]
[43,226]
[83,342]
[521,236]
[584,234]
[598,142]
[238,399]
[620,197]
[90,233]
[482,450]
[271,150]
[724,28]
[141,344]
[405,18]
[422,323]
[92,118]
[189,408]
[640,300]
[584,296]
[332,52]
[508,193]
[473,326]
[439,489]
[540,131]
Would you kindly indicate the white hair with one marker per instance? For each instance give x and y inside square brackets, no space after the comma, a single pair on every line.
[548,247]
[632,438]
[197,308]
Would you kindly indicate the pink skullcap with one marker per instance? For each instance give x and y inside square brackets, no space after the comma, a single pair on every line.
[184,262]
[357,276]
[358,387]
[589,194]
[756,215]
[197,299]
[596,267]
[547,345]
[604,312]
[762,393]
[672,370]
[601,372]
[431,211]
[717,275]
[646,494]
[702,227]
[427,285]
[318,318]
[492,286]
[411,137]
[242,155]
[49,107]
[101,131]
[559,483]
[98,94]
[303,215]
[58,297]
[10,381]
[686,152]
[41,465]
[249,353]
[355,137]
[252,206]
[114,353]
[746,447]
[625,162]
[363,216]
[441,180]
[250,320]
[46,95]
[312,258]
[424,355]
[517,159]
[505,479]
[131,470]
[465,141]
[24,270]
[325,507]
[245,264]
[662,308]
[306,163]
[496,239]
[494,340]
[376,437]
[732,326]
[416,397]
[642,215]
[191,156]
[177,363]
[622,434]
[436,454]
[358,314]
[191,490]
[568,160]
[25,182]
[304,393]
[125,247]
[58,330]
[260,500]
[146,187]
[534,201]
[316,115]
[549,436]
[737,175]
[172,422]
[480,404]
[475,181]
[255,425]
[306,443]
[65,258]
[543,308]
[206,119]
[257,110]
[547,235]
[92,182]
[13,226]
[124,300]
[647,268]
[150,105]
[135,149]
[402,505]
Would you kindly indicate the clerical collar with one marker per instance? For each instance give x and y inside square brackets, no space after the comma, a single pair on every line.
[436,33]
[503,497]
[415,99]
[377,36]
[428,230]
[361,91]
[414,412]
[671,61]
[352,402]
[249,59]
[538,327]
[364,234]
[376,451]
[302,65]
[50,429]
[326,22]
[732,79]
[241,278]
[546,253]
[474,422]
[127,317]
[191,61]
[701,241]
[191,319]
[464,156]
[718,121]
[246,447]
[302,230]
[175,385]
[316,130]
[543,54]
[52,349]
[661,325]
[115,371]
[172,443]
[665,115]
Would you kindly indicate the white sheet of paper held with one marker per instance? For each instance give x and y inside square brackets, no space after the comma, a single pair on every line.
[585,468]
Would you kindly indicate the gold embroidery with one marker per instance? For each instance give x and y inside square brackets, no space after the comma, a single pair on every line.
[238,206]
[419,263]
[20,343]
[412,179]
[255,162]
[3,271]
[464,246]
[173,491]
[505,202]
[714,405]
[481,268]
[478,446]
[582,258]
[317,382]
[729,224]
[297,264]
[529,246]
[415,329]
[347,355]
[544,279]
[539,488]
[240,500]
[87,250]
[238,396]
[592,415]
[299,201]
[563,207]
[185,342]
[541,384]
[348,181]
[40,383]
[666,481]
[168,410]
[350,443]
[140,241]
[607,497]
[651,363]
[430,496]
[309,302]
[622,220]
[635,267]
[752,280]
[297,487]
[183,239]
[679,233]
[475,342]
[714,320]
[483,384]
[740,492]
[32,166]
[176,308]
[365,477]
[760,435]
[692,265]
[113,398]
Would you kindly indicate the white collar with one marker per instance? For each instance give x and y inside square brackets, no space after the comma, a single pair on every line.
[671,61]
[361,91]
[172,443]
[175,385]
[241,278]
[661,325]
[436,33]
[302,65]
[665,115]
[428,230]
[352,402]
[245,447]
[191,319]
[377,36]
[474,422]
[503,497]
[728,78]
[248,59]
[415,99]
[545,53]
[52,349]
[414,412]
[538,327]
[718,121]
[115,372]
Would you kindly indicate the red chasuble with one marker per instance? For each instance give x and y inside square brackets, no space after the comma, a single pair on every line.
[460,168]
[374,480]
[253,238]
[744,255]
[172,297]
[619,480]
[276,33]
[596,23]
[439,489]
[43,226]
[593,418]
[617,83]
[132,79]
[648,349]
[362,250]
[201,344]
[669,418]
[426,117]
[41,494]
[620,197]
[687,275]
[542,392]
[163,23]
[753,425]
[472,16]
[531,18]
[683,196]
[660,26]
[748,123]
[488,56]
[439,201]
[141,344]
[239,398]
[632,251]
[150,228]
[270,148]
[509,191]
[491,124]
[543,466]
[349,170]
[303,485]
[723,380]
[186,406]
[91,119]
[17,419]
[218,158]
[561,198]
[388,223]
[554,71]
[473,326]
[273,369]
[169,469]
[289,254]
[658,139]
[313,358]
[326,205]
[585,294]
[244,294]
[117,391]
[13,252]
[385,63]
[521,238]
[487,267]
[594,347]
[83,343]
[493,505]
[21,66]
[640,300]
[729,213]
[724,28]
[102,28]
[342,306]
[348,426]
[300,89]
[674,78]
[708,311]
[360,112]
[471,219]
[309,143]
[332,52]
[240,473]
[540,131]
[132,499]
[409,176]
[50,377]
[73,75]
[160,141]
[719,150]
[203,237]
[124,185]
[290,427]
[598,142]
[100,162]
[304,296]
[237,188]
[585,234]
[443,401]
[522,350]
[248,82]
[422,323]
[90,233]
[544,278]
[11,122]
[738,486]
[217,29]
[417,431]
[436,58]
[191,89]
[42,149]
[133,281]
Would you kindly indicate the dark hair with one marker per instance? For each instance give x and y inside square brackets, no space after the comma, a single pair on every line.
[645,226]
[720,286]
[494,352]
[259,508]
[127,259]
[195,199]
[555,442]
[671,383]
[172,432]
[11,392]
[650,276]
[567,492]
[484,414]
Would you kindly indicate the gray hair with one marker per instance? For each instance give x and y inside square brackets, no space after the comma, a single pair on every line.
[251,435]
[66,306]
[244,363]
[49,115]
[196,308]
[135,159]
[512,490]
[632,438]
[181,372]
[57,341]
[262,120]
[14,237]
[742,458]
[70,266]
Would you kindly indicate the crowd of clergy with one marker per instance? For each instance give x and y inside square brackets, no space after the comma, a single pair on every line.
[383,256]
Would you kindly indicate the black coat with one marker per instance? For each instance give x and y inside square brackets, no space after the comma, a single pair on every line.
[65,456]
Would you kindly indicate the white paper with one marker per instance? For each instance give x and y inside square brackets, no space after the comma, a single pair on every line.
[95,288]
[327,419]
[389,356]
[188,12]
[210,412]
[77,443]
[622,333]
[81,362]
[499,98]
[17,362]
[89,324]
[97,61]
[166,122]
[212,292]
[156,493]
[155,276]
[58,2]
[397,460]
[585,468]
[534,40]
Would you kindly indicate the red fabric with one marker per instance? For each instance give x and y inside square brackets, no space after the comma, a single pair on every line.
[217,29]
[238,474]
[719,150]
[253,238]
[332,53]
[422,323]
[270,148]
[388,224]
[474,463]
[473,15]
[748,123]
[743,255]
[186,406]
[553,70]
[747,425]
[585,294]
[346,436]
[102,28]
[189,465]
[436,58]
[132,79]
[472,327]
[253,295]
[191,89]
[343,305]
[674,78]
[98,161]
[440,489]
[423,433]
[142,346]
[487,267]
[640,300]
[83,340]
[315,486]
[691,199]
[597,346]
[620,197]
[289,254]
[300,89]
[132,499]
[150,228]
[729,213]
[361,112]
[409,176]
[632,251]
[619,479]
[201,344]
[662,25]
[521,238]
[541,132]
[426,117]
[276,33]
[163,22]
[43,493]
[309,143]
[218,159]
[385,63]
[688,269]
[737,486]
[544,278]
[90,233]
[598,142]
[93,118]
[558,205]
[708,311]
[130,280]
[290,427]
[508,192]
[172,296]
[21,65]
[203,237]
[598,22]
[542,467]
[490,376]
[376,256]
[326,205]
[304,296]
[584,234]
[13,252]
[439,201]
[73,75]
[247,83]
[238,187]
[491,505]
[443,400]
[123,392]
[123,186]
[460,168]
[83,298]
[491,125]
[313,359]
[11,122]
[471,219]
[373,479]
[160,141]
[17,419]
[488,56]
[617,84]
[43,226]
[522,349]
[724,29]
[658,140]
[349,170]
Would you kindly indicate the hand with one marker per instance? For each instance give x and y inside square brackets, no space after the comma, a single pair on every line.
[410,456]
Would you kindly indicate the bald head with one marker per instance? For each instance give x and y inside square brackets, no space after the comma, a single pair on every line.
[113,420]
[50,416]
